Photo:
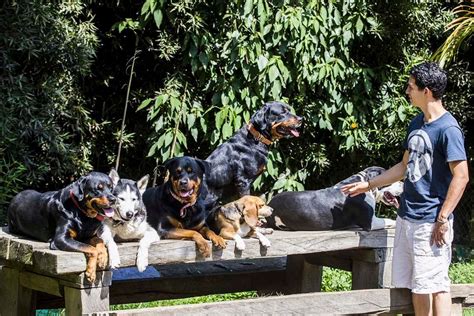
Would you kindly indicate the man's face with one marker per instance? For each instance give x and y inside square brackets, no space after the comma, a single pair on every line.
[416,95]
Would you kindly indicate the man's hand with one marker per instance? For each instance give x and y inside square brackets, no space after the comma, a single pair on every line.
[439,233]
[355,188]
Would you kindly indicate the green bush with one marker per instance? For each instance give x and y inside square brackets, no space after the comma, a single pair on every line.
[46,133]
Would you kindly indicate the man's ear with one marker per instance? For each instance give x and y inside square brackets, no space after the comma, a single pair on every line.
[78,188]
[142,183]
[114,176]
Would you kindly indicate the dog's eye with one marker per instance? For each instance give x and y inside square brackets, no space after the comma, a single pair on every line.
[190,170]
[100,186]
[134,199]
[121,199]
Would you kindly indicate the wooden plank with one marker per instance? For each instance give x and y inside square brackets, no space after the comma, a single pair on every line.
[302,276]
[176,251]
[350,302]
[82,301]
[18,248]
[40,283]
[15,299]
[353,302]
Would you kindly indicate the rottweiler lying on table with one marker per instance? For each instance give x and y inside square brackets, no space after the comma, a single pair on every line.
[69,218]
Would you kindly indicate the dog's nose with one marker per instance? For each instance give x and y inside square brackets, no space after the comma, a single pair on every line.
[112,199]
[129,214]
[299,119]
[183,181]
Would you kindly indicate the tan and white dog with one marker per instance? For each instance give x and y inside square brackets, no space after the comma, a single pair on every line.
[240,219]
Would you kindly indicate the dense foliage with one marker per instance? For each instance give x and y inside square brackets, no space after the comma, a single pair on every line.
[46,131]
[200,70]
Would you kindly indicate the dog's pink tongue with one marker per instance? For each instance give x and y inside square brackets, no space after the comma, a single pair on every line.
[109,212]
[295,133]
[185,194]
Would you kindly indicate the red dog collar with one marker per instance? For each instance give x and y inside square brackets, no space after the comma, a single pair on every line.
[73,198]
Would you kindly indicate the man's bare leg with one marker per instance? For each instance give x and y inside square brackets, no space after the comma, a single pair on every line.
[442,304]
[422,304]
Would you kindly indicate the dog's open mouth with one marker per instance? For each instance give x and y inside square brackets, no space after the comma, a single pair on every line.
[104,210]
[185,193]
[289,130]
[390,199]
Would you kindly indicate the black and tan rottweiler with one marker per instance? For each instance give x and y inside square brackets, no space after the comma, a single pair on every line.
[69,218]
[236,163]
[176,208]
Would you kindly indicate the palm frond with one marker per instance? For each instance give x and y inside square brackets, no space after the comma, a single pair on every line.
[462,28]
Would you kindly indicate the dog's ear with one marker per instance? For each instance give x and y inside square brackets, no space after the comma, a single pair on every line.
[258,120]
[114,176]
[204,165]
[250,213]
[231,211]
[78,188]
[142,183]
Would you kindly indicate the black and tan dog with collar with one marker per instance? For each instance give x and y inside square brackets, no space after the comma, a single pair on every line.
[176,209]
[236,163]
[330,209]
[69,219]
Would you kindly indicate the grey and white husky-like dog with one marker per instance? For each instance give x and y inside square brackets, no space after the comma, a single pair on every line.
[129,221]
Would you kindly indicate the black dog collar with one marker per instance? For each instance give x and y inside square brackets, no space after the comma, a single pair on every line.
[258,136]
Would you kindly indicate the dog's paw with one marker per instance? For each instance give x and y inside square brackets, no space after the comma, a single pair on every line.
[114,261]
[142,261]
[204,248]
[265,243]
[240,245]
[91,274]
[265,231]
[219,242]
[102,259]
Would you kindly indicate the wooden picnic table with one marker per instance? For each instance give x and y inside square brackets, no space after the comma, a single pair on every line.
[33,276]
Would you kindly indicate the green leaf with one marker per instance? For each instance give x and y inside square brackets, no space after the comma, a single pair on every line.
[158,16]
[359,25]
[276,90]
[144,104]
[273,73]
[349,141]
[194,133]
[401,113]
[175,103]
[279,184]
[262,62]
[168,139]
[227,130]
[248,6]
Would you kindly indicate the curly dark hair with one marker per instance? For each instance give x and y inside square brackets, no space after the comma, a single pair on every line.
[430,75]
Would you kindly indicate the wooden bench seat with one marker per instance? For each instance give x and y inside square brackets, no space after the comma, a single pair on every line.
[373,301]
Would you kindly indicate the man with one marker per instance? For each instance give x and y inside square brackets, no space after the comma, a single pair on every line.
[435,170]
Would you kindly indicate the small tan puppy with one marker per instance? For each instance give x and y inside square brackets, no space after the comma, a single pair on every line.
[239,219]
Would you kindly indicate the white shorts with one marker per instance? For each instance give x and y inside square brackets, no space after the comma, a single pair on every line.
[416,264]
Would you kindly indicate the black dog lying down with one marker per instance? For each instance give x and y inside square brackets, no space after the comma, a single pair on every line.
[236,163]
[69,218]
[329,208]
